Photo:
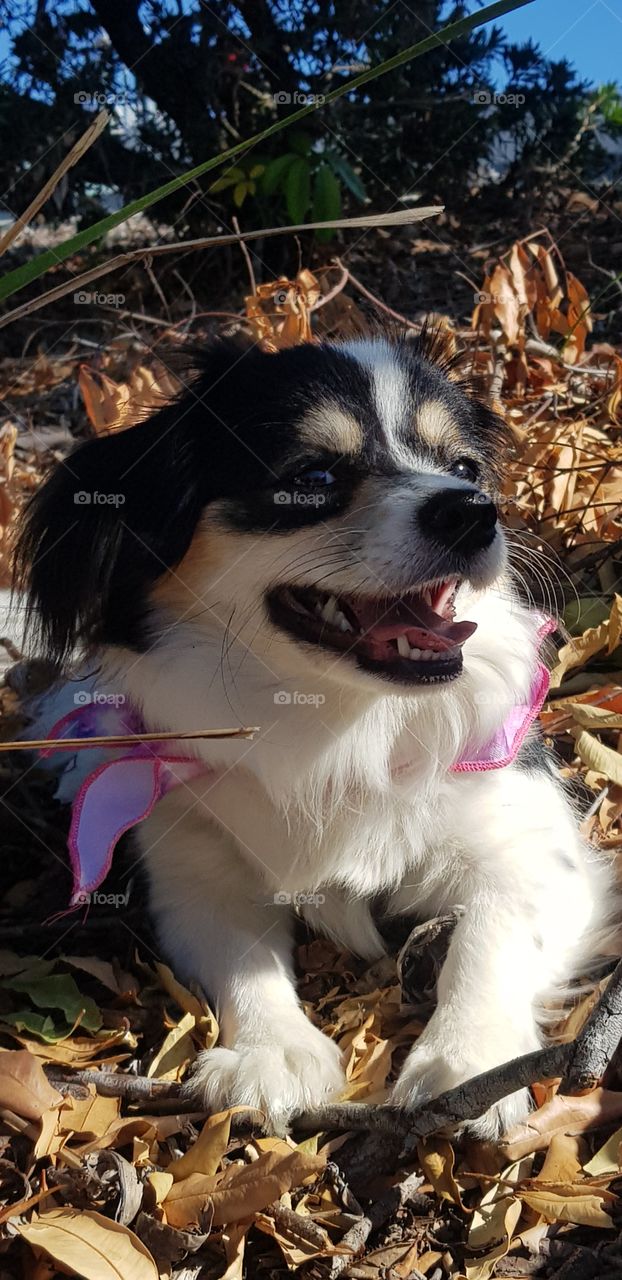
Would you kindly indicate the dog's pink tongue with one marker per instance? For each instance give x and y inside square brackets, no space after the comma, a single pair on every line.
[386,622]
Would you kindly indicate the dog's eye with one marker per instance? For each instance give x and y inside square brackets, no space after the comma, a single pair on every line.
[315,478]
[465,469]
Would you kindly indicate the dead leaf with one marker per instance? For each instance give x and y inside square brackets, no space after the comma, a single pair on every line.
[24,1087]
[571,1115]
[570,1203]
[89,1245]
[206,1153]
[242,1189]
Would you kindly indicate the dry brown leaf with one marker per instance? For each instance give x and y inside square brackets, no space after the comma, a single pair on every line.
[76,1051]
[205,1021]
[234,1241]
[242,1189]
[576,653]
[494,1222]
[177,1050]
[114,406]
[598,757]
[570,1203]
[87,1244]
[24,1087]
[561,1162]
[608,1158]
[572,1115]
[296,1244]
[437,1160]
[88,1118]
[205,1154]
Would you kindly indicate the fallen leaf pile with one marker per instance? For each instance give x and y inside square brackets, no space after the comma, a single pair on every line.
[117,1184]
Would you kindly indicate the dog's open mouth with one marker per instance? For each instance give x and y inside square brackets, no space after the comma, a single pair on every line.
[413,638]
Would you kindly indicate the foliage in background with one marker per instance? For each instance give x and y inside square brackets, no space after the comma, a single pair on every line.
[186,80]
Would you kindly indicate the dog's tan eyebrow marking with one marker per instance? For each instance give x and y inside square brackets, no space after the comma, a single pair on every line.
[326,426]
[435,425]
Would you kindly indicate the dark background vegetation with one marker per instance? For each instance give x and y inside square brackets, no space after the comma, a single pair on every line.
[186,79]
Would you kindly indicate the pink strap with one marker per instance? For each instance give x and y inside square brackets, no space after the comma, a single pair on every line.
[117,794]
[504,746]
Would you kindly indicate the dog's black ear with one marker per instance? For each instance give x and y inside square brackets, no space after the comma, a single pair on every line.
[115,515]
[110,519]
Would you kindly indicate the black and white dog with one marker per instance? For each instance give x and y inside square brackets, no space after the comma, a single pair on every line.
[306,541]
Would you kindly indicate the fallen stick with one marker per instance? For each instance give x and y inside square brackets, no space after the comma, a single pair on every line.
[598,1041]
[377,1214]
[122,740]
[578,1061]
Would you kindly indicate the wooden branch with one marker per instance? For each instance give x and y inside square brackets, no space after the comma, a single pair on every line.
[466,1102]
[377,1214]
[581,1063]
[598,1041]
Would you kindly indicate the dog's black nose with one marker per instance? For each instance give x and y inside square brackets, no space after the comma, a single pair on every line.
[463,520]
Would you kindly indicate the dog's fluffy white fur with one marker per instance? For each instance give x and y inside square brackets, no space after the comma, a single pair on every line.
[345,801]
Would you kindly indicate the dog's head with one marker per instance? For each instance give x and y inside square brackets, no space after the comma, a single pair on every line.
[329,501]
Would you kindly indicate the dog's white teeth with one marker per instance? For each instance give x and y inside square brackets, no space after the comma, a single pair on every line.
[415,653]
[403,647]
[330,609]
[331,613]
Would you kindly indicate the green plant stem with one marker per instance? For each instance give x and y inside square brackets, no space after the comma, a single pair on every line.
[36,267]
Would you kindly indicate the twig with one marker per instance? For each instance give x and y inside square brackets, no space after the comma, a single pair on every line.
[598,1041]
[466,1102]
[382,306]
[123,740]
[356,1238]
[111,1084]
[247,257]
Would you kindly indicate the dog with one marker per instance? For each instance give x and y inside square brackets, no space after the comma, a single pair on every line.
[308,541]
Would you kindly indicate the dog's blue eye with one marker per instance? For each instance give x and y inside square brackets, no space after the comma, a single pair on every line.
[465,469]
[319,478]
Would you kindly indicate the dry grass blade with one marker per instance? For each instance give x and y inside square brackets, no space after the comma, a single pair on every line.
[73,156]
[400,218]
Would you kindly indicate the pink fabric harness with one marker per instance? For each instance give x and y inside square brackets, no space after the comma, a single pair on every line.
[123,792]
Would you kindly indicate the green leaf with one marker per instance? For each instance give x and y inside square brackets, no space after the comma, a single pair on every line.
[51,258]
[275,172]
[38,1024]
[57,991]
[326,200]
[240,194]
[349,178]
[298,189]
[300,141]
[221,184]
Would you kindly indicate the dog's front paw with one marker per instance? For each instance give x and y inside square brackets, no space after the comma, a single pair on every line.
[428,1072]
[279,1080]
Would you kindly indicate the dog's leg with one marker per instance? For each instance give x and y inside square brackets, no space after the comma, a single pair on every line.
[517,865]
[220,927]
